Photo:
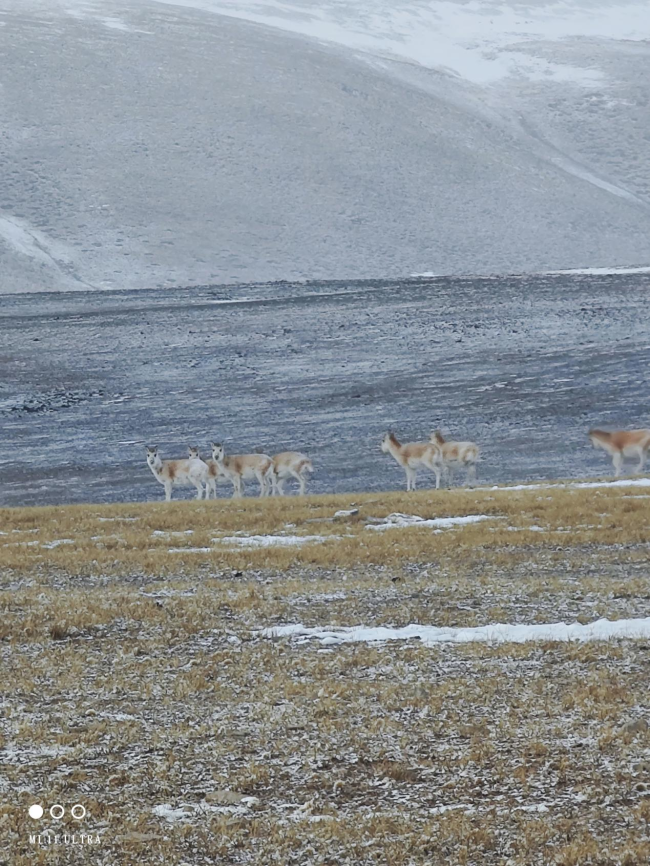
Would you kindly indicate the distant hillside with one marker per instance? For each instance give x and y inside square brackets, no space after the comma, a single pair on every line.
[153,144]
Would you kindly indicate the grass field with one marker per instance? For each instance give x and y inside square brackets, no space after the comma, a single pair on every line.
[138,680]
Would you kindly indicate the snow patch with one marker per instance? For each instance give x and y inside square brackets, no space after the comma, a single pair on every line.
[452,807]
[169,813]
[397,521]
[602,629]
[600,271]
[577,485]
[272,540]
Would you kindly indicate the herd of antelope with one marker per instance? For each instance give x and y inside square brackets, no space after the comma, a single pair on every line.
[271,472]
[437,455]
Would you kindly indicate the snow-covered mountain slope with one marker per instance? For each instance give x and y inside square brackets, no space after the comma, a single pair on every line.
[156,143]
[481,41]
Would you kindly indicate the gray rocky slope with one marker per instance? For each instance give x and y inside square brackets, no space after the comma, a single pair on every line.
[159,146]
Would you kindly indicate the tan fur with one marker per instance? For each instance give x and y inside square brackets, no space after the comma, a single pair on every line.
[412,456]
[213,468]
[290,464]
[191,470]
[214,473]
[620,444]
[238,467]
[455,454]
[241,462]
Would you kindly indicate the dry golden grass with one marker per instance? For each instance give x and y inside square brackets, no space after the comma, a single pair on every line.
[95,539]
[134,678]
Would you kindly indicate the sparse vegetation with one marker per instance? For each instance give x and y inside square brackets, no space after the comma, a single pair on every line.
[136,681]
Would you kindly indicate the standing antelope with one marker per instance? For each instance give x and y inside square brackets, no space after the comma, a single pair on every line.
[214,473]
[290,464]
[171,472]
[412,456]
[455,454]
[621,444]
[238,467]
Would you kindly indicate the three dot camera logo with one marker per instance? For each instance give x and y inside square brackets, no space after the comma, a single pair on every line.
[56,813]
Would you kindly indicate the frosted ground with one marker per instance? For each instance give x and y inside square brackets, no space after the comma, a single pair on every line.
[154,144]
[452,690]
[523,365]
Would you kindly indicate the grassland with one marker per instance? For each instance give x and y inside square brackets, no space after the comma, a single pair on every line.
[136,681]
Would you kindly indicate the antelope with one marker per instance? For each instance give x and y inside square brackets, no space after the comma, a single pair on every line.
[238,467]
[455,454]
[412,456]
[214,473]
[290,464]
[621,444]
[171,472]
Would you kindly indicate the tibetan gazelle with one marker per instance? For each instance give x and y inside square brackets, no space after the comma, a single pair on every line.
[621,444]
[239,467]
[412,456]
[454,454]
[214,473]
[172,472]
[290,464]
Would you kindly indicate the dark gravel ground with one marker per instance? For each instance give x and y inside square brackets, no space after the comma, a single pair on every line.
[523,365]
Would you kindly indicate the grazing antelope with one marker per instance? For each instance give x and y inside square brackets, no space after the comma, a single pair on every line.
[171,472]
[290,464]
[455,454]
[412,456]
[238,467]
[621,444]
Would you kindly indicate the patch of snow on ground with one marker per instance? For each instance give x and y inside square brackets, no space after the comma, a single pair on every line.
[602,629]
[440,810]
[114,519]
[599,271]
[397,521]
[169,813]
[52,544]
[577,485]
[169,593]
[271,540]
[630,482]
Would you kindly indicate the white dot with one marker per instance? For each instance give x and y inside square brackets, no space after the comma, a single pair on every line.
[36,811]
[78,811]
